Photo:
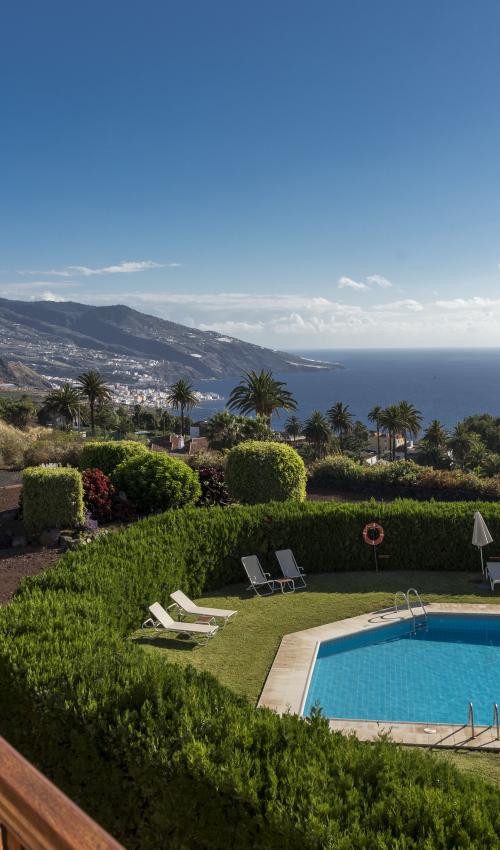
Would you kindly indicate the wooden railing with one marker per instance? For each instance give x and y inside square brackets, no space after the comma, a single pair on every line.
[35,815]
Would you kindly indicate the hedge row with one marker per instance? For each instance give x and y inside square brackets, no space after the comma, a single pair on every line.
[52,498]
[166,757]
[402,478]
[106,455]
[265,471]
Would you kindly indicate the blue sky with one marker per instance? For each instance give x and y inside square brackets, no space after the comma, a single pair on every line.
[320,174]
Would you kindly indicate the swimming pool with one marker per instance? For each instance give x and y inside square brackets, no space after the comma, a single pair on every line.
[430,677]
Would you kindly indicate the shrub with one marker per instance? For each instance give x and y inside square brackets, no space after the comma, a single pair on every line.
[52,446]
[264,472]
[209,457]
[213,486]
[106,456]
[98,492]
[13,443]
[151,748]
[155,481]
[52,498]
[403,478]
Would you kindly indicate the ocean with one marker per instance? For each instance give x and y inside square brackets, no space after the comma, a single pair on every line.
[445,384]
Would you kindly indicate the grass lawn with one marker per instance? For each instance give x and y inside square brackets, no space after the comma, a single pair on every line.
[241,655]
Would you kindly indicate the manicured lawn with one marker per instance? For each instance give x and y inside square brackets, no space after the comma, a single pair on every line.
[242,654]
[482,765]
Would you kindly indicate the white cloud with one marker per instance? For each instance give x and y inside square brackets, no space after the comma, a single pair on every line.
[379,280]
[128,267]
[50,296]
[370,280]
[349,283]
[395,306]
[295,320]
[288,321]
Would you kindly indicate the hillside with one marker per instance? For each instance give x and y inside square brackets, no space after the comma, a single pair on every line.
[63,338]
[21,376]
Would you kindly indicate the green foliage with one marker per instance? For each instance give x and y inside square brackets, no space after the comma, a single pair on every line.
[261,394]
[225,430]
[403,478]
[20,413]
[52,498]
[164,756]
[54,446]
[155,481]
[487,427]
[262,472]
[107,455]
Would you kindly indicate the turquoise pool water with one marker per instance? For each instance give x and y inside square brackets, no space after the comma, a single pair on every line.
[427,678]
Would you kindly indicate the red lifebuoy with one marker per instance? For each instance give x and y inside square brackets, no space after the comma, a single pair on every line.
[373,534]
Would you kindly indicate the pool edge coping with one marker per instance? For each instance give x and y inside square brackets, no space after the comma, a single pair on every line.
[286,685]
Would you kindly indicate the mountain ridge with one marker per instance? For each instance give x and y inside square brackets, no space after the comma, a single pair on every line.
[21,376]
[65,337]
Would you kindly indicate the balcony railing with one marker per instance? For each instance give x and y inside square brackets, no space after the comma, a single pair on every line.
[35,815]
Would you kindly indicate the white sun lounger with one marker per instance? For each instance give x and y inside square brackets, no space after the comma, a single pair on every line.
[186,606]
[261,581]
[161,621]
[493,573]
[290,568]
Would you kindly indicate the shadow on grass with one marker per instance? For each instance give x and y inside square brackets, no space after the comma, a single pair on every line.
[435,582]
[182,644]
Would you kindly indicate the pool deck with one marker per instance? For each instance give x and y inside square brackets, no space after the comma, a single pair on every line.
[287,683]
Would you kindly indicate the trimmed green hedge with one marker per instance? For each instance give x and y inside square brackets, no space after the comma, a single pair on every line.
[166,757]
[52,498]
[402,478]
[261,472]
[106,455]
[155,482]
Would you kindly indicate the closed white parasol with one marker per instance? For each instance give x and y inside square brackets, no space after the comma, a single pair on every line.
[480,536]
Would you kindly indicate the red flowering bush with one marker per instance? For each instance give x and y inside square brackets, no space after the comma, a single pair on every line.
[98,493]
[213,487]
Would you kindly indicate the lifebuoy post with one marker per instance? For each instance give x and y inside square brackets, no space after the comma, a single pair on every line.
[373,534]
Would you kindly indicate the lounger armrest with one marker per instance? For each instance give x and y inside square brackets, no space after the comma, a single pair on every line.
[149,624]
[177,608]
[267,574]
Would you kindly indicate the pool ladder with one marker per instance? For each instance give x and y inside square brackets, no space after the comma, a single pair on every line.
[495,724]
[407,601]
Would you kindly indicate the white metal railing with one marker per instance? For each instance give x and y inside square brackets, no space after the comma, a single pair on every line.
[407,599]
[470,720]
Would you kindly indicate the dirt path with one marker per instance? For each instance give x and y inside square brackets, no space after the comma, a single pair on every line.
[15,564]
[26,562]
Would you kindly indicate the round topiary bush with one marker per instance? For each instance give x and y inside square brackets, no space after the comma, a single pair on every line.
[155,482]
[106,455]
[265,472]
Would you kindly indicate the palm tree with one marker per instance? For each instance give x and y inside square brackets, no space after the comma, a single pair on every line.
[224,430]
[411,422]
[261,394]
[436,435]
[432,447]
[317,430]
[390,420]
[374,416]
[64,402]
[93,387]
[181,396]
[461,442]
[341,420]
[293,427]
